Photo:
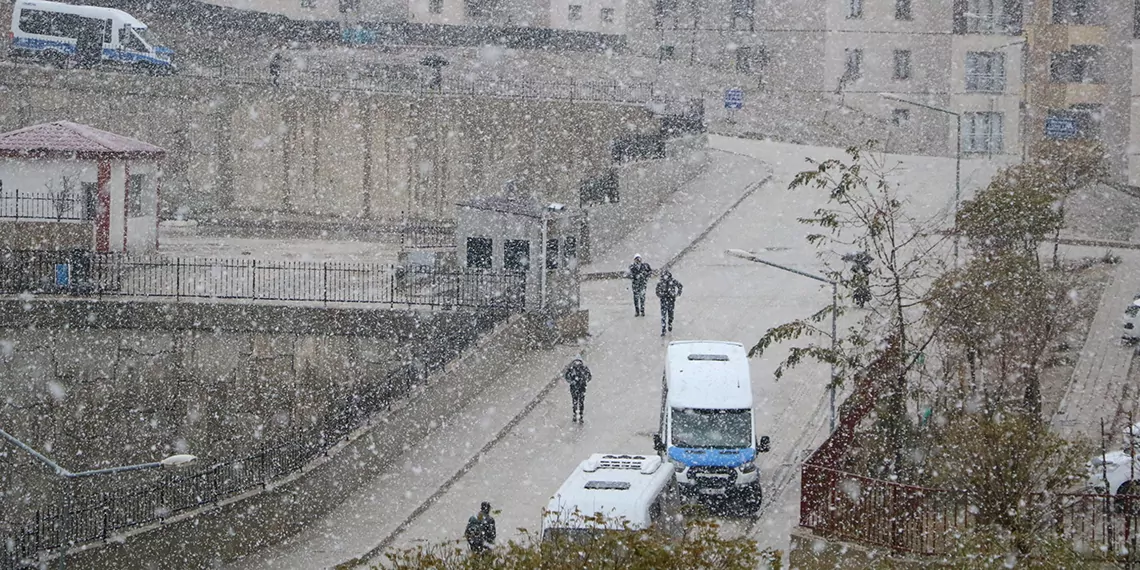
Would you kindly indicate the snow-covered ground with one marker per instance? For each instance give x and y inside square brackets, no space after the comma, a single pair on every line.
[725,298]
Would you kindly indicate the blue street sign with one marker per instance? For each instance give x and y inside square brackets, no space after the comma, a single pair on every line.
[734,99]
[1060,127]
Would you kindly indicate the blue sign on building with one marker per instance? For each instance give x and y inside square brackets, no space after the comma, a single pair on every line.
[734,98]
[1060,127]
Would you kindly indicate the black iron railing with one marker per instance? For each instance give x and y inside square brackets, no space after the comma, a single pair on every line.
[91,517]
[19,205]
[114,274]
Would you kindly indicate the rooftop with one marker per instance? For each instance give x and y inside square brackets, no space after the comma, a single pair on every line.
[72,140]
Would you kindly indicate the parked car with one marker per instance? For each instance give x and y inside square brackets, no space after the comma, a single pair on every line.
[1110,472]
[1131,330]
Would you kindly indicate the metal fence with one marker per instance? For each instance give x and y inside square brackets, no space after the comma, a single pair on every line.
[83,518]
[43,206]
[115,274]
[928,521]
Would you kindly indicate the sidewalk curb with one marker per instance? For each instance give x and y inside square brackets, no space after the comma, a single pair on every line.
[748,192]
[383,545]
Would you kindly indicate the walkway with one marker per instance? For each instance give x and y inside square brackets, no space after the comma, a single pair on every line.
[437,485]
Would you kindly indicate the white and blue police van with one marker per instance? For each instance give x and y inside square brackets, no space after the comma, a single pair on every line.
[59,33]
[612,492]
[708,426]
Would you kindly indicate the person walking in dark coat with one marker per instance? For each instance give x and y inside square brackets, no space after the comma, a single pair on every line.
[480,532]
[275,68]
[639,274]
[577,376]
[668,289]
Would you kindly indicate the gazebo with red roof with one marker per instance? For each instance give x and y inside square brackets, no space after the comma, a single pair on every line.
[67,173]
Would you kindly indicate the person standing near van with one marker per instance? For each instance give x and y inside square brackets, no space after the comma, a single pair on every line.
[639,275]
[668,289]
[275,68]
[577,376]
[480,531]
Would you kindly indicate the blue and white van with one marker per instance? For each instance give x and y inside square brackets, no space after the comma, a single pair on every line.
[708,426]
[58,33]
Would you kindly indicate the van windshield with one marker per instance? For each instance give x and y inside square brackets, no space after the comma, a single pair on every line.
[717,429]
[148,36]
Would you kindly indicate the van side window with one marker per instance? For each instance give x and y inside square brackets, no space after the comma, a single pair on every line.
[35,22]
[107,30]
[130,41]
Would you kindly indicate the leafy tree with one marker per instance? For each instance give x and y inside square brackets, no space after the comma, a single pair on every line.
[1008,466]
[899,259]
[700,547]
[1005,314]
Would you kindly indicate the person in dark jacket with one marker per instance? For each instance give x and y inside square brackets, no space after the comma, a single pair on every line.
[480,532]
[668,289]
[639,274]
[577,376]
[275,68]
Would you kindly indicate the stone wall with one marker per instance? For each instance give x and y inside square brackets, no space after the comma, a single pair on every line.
[327,152]
[642,186]
[236,527]
[96,384]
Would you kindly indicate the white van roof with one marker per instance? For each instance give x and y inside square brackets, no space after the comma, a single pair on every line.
[88,11]
[620,486]
[708,375]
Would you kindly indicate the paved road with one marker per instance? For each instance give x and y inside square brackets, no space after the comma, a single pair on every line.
[725,298]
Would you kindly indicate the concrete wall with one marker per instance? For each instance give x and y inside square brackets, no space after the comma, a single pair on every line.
[234,528]
[325,152]
[112,383]
[642,186]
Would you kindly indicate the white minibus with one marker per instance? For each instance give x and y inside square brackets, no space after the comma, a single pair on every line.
[58,33]
[707,429]
[629,491]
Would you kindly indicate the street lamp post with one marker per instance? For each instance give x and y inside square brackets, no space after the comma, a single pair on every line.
[174,461]
[834,314]
[957,161]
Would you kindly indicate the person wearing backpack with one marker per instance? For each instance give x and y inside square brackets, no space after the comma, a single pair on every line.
[668,289]
[577,376]
[480,531]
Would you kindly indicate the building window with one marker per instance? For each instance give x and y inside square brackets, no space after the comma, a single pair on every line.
[608,15]
[663,9]
[985,71]
[570,252]
[135,186]
[854,8]
[308,3]
[479,252]
[1081,64]
[902,10]
[900,117]
[552,253]
[516,255]
[435,6]
[853,64]
[743,12]
[90,190]
[575,12]
[347,6]
[1076,12]
[984,16]
[665,52]
[479,8]
[902,64]
[744,59]
[982,132]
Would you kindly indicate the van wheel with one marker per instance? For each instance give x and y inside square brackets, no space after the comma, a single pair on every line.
[753,498]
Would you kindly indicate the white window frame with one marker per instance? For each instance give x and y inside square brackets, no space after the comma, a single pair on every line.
[984,16]
[983,132]
[985,71]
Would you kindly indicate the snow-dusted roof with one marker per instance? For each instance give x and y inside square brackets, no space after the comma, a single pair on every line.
[620,486]
[506,205]
[72,139]
[708,375]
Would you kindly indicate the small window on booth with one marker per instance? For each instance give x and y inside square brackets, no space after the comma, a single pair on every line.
[569,252]
[479,252]
[552,253]
[136,185]
[516,255]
